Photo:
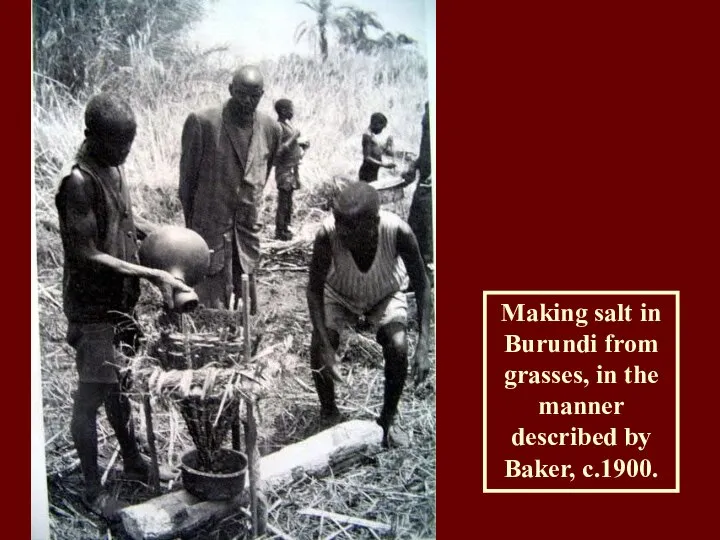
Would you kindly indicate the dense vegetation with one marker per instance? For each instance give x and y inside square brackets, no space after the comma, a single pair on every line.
[138,48]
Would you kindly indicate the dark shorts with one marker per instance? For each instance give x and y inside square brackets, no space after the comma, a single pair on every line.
[368,172]
[97,358]
[287,178]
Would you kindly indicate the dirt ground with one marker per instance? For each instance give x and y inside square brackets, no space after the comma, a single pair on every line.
[397,487]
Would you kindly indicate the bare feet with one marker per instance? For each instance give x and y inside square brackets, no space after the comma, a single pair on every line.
[394,436]
[104,505]
[330,417]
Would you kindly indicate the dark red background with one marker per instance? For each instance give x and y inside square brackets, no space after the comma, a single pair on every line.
[647,407]
[576,149]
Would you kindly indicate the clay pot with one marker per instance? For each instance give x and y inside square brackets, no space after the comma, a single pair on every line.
[181,252]
[215,486]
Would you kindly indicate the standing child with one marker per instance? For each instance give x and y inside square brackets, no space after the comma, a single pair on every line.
[372,149]
[101,286]
[287,168]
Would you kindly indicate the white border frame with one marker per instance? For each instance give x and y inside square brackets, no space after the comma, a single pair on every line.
[677,391]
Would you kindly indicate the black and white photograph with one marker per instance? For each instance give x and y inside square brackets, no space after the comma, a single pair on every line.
[234,268]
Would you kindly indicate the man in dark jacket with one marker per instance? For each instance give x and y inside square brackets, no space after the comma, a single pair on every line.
[227,154]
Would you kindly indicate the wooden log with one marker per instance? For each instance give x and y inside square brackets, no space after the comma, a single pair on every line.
[321,453]
[177,513]
[172,515]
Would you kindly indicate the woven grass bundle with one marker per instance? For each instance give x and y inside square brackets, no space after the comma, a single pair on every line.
[208,421]
[194,351]
[218,321]
[208,400]
[198,364]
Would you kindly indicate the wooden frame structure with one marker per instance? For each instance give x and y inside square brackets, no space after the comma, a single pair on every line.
[257,515]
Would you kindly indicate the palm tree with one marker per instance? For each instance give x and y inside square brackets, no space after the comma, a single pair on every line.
[403,39]
[353,26]
[316,31]
[392,41]
[387,41]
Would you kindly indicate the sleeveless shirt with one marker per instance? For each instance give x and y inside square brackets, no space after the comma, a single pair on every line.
[91,293]
[360,291]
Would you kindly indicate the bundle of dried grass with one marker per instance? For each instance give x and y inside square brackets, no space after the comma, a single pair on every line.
[208,400]
[194,351]
[204,383]
[208,421]
[291,255]
[198,364]
[218,321]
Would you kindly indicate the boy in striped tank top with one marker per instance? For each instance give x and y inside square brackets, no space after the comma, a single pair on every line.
[362,259]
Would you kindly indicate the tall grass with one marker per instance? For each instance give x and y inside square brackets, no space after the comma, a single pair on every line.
[82,43]
[333,104]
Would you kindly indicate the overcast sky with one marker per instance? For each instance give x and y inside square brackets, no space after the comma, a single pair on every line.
[265,28]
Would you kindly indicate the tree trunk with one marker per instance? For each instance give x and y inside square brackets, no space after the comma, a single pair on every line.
[333,450]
